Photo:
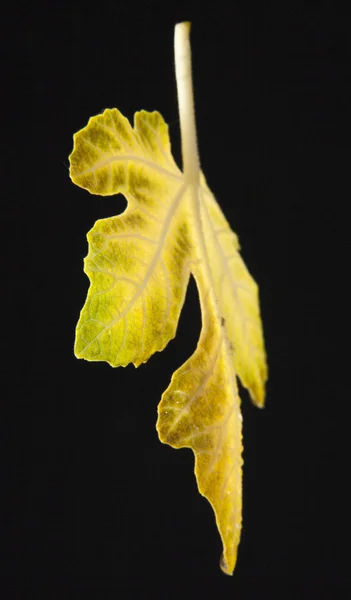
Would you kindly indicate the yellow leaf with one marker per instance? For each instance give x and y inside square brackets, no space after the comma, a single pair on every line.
[139,265]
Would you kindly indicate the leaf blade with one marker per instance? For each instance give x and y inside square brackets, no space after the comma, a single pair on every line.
[138,261]
[139,265]
[103,149]
[238,297]
[201,410]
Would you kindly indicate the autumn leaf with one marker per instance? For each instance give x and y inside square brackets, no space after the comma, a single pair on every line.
[139,265]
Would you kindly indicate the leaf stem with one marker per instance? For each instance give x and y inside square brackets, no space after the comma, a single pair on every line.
[182,52]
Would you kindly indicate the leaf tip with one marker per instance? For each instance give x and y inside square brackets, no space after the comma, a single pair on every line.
[224,566]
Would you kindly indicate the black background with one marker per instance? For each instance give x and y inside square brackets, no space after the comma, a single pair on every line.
[95,506]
